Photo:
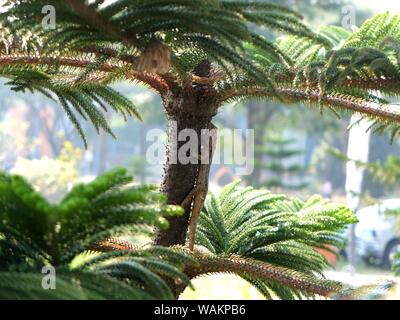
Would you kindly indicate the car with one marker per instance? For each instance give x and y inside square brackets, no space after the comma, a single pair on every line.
[377,240]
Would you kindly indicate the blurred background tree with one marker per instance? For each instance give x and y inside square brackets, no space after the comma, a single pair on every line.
[278,164]
[52,177]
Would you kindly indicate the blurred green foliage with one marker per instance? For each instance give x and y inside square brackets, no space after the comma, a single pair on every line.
[52,177]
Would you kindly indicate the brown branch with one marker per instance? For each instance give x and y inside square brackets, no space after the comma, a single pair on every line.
[46,60]
[210,264]
[245,267]
[293,95]
[204,263]
[153,80]
[114,244]
[374,83]
[379,84]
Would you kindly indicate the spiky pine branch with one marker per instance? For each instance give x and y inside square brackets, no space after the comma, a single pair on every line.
[35,233]
[272,280]
[349,71]
[271,228]
[221,27]
[79,81]
[268,278]
[162,47]
[266,239]
[99,44]
[189,47]
[270,241]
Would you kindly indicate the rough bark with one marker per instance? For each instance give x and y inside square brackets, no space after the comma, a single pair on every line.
[193,110]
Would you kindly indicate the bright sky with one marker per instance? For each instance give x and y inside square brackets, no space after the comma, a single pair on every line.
[380,5]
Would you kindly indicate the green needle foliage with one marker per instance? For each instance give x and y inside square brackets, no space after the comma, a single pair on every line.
[267,239]
[69,235]
[87,99]
[88,213]
[70,286]
[196,54]
[156,43]
[274,229]
[343,70]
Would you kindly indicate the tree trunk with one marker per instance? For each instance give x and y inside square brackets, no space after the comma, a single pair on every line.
[179,178]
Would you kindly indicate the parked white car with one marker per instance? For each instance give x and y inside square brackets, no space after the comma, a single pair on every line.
[376,239]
